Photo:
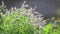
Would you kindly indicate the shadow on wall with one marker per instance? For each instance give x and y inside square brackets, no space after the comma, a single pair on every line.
[46,7]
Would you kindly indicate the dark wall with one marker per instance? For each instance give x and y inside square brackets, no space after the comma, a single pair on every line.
[46,7]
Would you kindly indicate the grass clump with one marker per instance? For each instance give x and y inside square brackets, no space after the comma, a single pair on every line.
[19,21]
[16,24]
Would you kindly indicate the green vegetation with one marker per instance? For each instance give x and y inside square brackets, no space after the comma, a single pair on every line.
[16,23]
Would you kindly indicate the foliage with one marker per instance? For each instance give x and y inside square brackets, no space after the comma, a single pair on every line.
[18,22]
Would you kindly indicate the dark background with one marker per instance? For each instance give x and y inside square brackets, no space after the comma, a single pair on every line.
[46,7]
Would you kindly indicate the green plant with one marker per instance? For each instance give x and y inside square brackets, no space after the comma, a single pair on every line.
[15,23]
[50,29]
[19,22]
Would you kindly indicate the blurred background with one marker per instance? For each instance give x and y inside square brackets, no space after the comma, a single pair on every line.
[48,8]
